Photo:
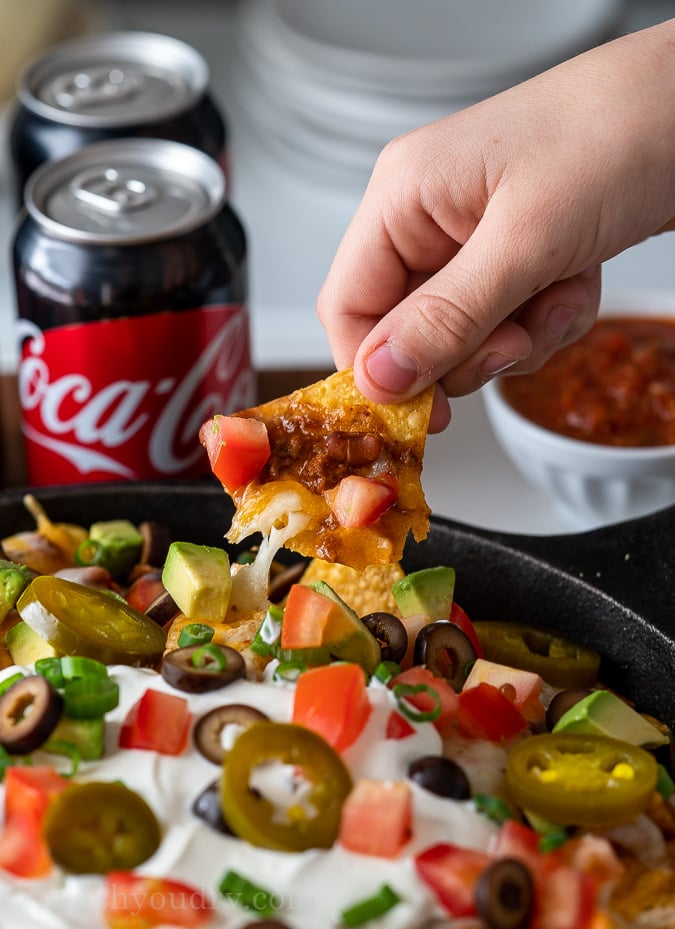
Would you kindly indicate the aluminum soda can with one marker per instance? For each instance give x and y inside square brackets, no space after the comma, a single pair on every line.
[112,85]
[131,289]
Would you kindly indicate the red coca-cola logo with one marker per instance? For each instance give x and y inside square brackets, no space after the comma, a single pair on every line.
[124,398]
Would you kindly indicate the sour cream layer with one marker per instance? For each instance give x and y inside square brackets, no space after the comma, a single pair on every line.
[311,887]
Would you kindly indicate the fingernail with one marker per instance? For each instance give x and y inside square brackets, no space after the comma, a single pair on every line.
[391,369]
[495,363]
[559,320]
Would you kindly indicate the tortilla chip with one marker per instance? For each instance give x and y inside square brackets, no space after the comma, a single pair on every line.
[366,591]
[298,426]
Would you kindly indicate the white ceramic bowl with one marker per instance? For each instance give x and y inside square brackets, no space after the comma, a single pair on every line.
[328,84]
[589,485]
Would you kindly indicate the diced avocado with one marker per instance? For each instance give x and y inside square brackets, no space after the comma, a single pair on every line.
[13,579]
[26,646]
[121,544]
[603,713]
[198,578]
[87,735]
[429,591]
[346,637]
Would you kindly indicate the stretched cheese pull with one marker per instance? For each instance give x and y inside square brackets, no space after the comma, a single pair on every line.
[354,465]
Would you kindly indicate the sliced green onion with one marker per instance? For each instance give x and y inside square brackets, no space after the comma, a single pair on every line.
[89,552]
[309,657]
[90,697]
[248,895]
[8,681]
[209,658]
[371,908]
[289,671]
[69,749]
[74,666]
[6,761]
[195,634]
[401,691]
[495,808]
[386,671]
[664,783]
[269,632]
[52,670]
[552,839]
[245,557]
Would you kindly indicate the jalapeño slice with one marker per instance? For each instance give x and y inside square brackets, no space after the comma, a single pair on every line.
[581,780]
[311,819]
[97,827]
[79,620]
[558,660]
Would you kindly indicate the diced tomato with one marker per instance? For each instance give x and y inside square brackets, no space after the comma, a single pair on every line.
[485,713]
[238,447]
[23,851]
[377,818]
[593,855]
[358,501]
[158,722]
[306,617]
[28,791]
[398,726]
[459,618]
[516,840]
[136,902]
[413,624]
[29,788]
[144,590]
[452,872]
[565,900]
[424,701]
[522,688]
[332,700]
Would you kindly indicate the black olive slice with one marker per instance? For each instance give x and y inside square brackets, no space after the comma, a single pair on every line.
[179,668]
[208,730]
[446,650]
[504,894]
[156,542]
[441,776]
[207,807]
[162,609]
[266,924]
[562,702]
[29,712]
[390,633]
[282,582]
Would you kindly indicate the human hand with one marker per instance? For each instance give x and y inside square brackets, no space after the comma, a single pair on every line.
[477,246]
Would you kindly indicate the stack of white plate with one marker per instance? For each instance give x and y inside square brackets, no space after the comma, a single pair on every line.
[326,83]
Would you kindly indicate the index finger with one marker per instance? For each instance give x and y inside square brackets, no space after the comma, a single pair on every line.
[374,269]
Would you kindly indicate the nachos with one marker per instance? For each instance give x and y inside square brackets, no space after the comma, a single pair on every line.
[337,476]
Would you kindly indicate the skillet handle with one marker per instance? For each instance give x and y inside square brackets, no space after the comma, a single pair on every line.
[633,562]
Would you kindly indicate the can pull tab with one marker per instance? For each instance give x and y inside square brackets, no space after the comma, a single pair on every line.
[111,192]
[96,87]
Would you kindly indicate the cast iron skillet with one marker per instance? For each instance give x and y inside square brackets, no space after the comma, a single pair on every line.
[612,588]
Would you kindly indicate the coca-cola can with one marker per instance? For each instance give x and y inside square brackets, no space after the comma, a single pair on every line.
[131,288]
[109,86]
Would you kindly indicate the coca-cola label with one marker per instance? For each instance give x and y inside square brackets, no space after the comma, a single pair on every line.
[124,398]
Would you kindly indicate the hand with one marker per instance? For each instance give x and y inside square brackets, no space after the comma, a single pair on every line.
[477,246]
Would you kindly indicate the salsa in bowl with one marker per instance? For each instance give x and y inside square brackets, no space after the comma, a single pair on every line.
[595,426]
